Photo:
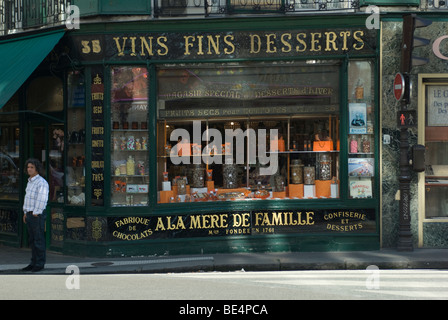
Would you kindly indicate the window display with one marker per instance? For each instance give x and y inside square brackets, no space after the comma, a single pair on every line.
[76,128]
[56,162]
[129,160]
[361,160]
[9,161]
[9,150]
[248,131]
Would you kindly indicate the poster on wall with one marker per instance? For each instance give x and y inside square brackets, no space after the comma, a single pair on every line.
[437,104]
[357,113]
[361,167]
[360,187]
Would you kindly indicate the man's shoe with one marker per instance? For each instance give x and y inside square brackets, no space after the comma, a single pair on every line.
[28,268]
[36,269]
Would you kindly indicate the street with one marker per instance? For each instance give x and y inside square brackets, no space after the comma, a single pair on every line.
[369,284]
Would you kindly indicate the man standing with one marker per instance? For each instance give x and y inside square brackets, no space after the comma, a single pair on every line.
[36,197]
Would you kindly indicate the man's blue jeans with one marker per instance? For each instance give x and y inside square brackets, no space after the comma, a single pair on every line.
[36,232]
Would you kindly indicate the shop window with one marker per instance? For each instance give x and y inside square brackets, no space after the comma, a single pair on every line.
[361,115]
[129,159]
[436,143]
[9,150]
[56,162]
[9,161]
[248,131]
[76,130]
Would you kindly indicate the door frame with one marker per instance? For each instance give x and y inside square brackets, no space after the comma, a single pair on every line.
[421,140]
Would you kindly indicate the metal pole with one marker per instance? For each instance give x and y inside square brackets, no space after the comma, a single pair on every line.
[404,227]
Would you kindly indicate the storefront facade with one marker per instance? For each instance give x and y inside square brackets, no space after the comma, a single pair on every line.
[205,137]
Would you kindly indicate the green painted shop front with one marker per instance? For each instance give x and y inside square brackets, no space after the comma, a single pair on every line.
[302,94]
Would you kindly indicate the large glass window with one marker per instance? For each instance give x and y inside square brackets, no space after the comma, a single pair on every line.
[76,129]
[361,116]
[129,160]
[9,150]
[9,161]
[248,131]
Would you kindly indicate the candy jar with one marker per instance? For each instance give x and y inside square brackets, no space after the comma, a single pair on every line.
[197,176]
[365,145]
[131,143]
[130,166]
[141,168]
[138,145]
[309,174]
[359,90]
[279,183]
[181,186]
[324,167]
[144,144]
[353,146]
[229,176]
[296,171]
[123,143]
[123,169]
[116,144]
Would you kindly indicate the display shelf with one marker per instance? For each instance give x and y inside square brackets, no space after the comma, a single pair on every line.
[129,137]
[322,165]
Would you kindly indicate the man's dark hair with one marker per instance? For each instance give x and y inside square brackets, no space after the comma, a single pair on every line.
[36,163]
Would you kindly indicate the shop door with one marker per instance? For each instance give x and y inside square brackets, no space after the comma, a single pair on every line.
[46,143]
[436,143]
[433,134]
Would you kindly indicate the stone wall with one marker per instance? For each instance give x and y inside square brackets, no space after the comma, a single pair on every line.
[435,234]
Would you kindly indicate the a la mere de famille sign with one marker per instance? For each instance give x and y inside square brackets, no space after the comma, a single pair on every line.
[245,223]
[229,44]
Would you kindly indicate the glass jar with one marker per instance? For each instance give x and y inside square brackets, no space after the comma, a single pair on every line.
[325,167]
[122,169]
[229,176]
[181,186]
[365,145]
[141,168]
[131,143]
[123,143]
[279,183]
[197,176]
[309,174]
[353,145]
[296,171]
[130,166]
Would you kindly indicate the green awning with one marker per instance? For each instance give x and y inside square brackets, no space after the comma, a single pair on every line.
[19,57]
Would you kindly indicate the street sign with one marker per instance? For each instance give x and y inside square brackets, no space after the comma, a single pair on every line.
[399,86]
[407,119]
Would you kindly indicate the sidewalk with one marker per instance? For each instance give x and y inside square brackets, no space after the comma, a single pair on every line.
[13,259]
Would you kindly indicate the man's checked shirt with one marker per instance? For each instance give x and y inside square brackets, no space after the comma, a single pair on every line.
[36,196]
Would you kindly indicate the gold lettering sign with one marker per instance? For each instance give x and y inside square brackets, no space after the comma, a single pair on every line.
[344,221]
[229,44]
[243,223]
